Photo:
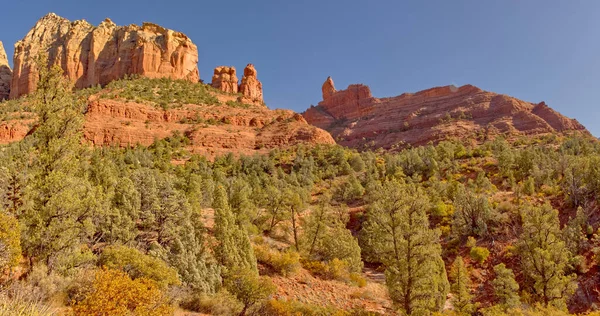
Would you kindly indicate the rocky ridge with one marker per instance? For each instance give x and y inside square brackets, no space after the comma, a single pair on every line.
[357,119]
[225,79]
[213,130]
[5,74]
[96,55]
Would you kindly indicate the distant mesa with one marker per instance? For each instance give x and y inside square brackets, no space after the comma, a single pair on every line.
[357,119]
[92,55]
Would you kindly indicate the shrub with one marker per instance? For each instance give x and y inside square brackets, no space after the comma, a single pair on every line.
[248,287]
[288,308]
[138,265]
[115,293]
[222,303]
[10,244]
[479,254]
[284,263]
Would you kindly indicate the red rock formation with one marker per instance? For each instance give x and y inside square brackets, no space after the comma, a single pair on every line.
[97,55]
[328,88]
[356,119]
[225,79]
[213,130]
[250,87]
[5,74]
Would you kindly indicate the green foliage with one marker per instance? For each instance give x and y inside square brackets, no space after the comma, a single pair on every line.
[398,227]
[506,288]
[138,265]
[472,213]
[285,263]
[163,92]
[248,287]
[545,257]
[234,249]
[479,254]
[10,243]
[459,286]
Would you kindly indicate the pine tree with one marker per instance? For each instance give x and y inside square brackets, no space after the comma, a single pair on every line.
[234,249]
[459,276]
[505,287]
[57,217]
[545,257]
[398,229]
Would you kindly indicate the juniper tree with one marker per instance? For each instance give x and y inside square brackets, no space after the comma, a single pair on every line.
[545,257]
[461,297]
[506,288]
[233,249]
[399,232]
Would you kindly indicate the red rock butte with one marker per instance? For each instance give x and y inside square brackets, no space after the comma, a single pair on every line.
[92,55]
[357,119]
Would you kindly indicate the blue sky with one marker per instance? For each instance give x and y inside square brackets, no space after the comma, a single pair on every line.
[540,50]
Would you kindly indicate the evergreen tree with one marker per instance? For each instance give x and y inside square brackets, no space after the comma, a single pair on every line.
[505,287]
[545,257]
[472,213]
[460,282]
[234,249]
[398,228]
[57,217]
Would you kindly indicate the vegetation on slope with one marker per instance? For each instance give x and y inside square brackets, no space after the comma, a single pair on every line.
[503,228]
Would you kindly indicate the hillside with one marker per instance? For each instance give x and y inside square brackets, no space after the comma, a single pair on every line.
[357,119]
[140,111]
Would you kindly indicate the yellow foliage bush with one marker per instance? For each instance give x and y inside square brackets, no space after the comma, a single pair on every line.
[113,292]
[285,263]
[10,241]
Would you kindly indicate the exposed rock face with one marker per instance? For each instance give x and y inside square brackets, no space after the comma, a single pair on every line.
[250,87]
[225,79]
[97,55]
[328,88]
[356,119]
[5,74]
[213,130]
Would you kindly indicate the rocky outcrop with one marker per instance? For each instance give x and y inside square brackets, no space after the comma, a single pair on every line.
[213,130]
[92,55]
[225,79]
[250,87]
[356,119]
[5,74]
[328,88]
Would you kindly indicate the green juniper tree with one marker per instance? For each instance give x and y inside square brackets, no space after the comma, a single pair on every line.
[398,228]
[545,257]
[234,249]
[506,288]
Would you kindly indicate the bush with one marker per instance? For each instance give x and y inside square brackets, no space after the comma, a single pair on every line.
[115,293]
[248,287]
[479,254]
[10,244]
[284,263]
[288,308]
[222,303]
[138,265]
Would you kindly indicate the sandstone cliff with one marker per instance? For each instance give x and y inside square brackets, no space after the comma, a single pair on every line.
[356,119]
[225,79]
[213,129]
[5,74]
[250,87]
[92,55]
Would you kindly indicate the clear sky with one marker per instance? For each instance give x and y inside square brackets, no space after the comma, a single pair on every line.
[542,50]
